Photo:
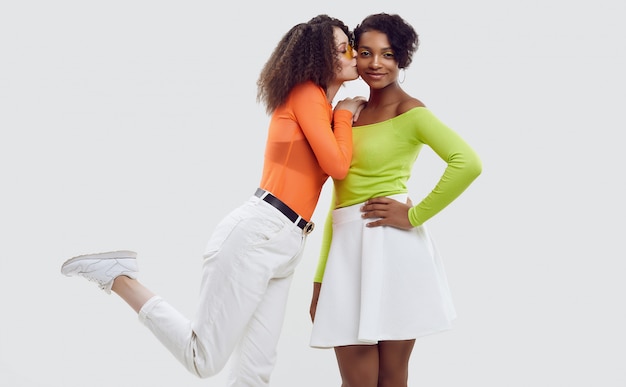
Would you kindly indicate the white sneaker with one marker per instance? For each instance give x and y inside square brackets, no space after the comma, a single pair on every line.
[102,268]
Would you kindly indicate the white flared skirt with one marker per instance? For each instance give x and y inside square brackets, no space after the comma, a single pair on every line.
[380,283]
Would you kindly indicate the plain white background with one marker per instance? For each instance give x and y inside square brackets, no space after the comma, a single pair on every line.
[134,125]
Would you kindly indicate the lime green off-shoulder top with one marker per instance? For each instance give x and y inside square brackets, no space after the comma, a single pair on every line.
[382,159]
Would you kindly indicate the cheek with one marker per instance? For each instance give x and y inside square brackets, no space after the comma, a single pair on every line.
[345,64]
[360,66]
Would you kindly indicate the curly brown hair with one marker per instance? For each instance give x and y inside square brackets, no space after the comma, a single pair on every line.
[307,52]
[403,38]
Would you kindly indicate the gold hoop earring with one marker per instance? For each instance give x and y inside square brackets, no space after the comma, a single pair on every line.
[403,75]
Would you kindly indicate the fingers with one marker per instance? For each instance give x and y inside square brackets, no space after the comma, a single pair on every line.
[376,204]
[356,115]
[386,212]
[379,200]
[376,223]
[354,105]
[374,211]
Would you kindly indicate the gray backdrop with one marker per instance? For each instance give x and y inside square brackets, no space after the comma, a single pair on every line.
[134,125]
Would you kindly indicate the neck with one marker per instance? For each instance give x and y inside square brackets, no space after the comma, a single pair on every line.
[384,96]
[332,90]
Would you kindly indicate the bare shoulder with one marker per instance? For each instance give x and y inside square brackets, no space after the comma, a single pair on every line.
[408,104]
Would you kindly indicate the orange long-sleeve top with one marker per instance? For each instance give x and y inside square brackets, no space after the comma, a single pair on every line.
[307,142]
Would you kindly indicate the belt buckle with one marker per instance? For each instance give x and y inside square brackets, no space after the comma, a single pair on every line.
[308,228]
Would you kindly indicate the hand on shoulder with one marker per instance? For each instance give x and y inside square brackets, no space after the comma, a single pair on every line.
[354,105]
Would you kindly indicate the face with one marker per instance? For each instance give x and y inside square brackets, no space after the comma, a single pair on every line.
[376,61]
[347,70]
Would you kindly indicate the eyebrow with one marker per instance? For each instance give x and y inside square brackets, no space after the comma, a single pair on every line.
[382,49]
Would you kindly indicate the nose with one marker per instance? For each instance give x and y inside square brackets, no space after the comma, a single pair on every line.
[375,61]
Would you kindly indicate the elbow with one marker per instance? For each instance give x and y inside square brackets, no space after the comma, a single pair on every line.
[339,172]
[476,168]
[471,164]
[340,175]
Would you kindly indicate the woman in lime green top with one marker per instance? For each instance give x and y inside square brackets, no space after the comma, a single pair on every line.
[386,286]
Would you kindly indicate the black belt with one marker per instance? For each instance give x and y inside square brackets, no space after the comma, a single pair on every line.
[293,216]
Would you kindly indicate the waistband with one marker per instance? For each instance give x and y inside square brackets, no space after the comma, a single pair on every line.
[353,212]
[306,226]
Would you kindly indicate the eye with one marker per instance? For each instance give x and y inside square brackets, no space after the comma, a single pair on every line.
[389,55]
[346,51]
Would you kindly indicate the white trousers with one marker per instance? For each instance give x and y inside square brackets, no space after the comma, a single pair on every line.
[248,266]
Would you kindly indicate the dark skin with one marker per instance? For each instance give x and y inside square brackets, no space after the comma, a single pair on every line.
[384,364]
[384,104]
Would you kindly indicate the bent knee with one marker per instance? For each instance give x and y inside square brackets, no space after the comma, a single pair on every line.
[205,366]
[206,371]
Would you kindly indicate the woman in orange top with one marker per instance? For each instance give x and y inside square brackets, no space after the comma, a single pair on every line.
[250,259]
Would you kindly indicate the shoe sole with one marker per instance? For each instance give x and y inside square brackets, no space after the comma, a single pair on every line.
[119,254]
